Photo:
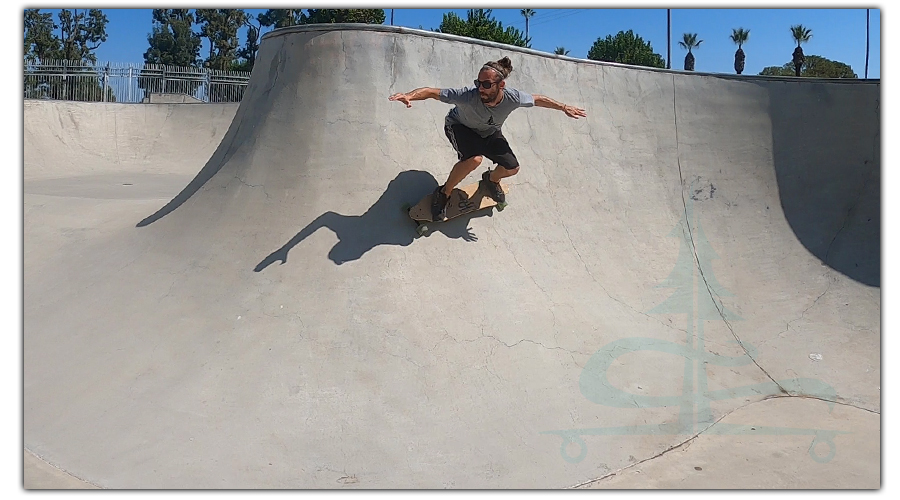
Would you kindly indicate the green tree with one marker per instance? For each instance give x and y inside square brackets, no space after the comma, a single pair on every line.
[220,27]
[626,48]
[247,53]
[173,40]
[80,34]
[561,51]
[689,41]
[331,16]
[40,42]
[739,36]
[813,67]
[481,25]
[801,34]
[280,18]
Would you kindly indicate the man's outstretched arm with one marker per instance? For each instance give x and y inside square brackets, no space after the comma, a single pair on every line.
[543,101]
[416,95]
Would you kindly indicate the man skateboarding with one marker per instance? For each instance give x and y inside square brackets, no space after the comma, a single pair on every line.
[473,127]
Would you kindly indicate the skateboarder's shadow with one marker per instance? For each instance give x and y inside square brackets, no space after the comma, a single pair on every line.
[384,223]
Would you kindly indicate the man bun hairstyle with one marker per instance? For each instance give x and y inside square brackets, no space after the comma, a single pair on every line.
[504,67]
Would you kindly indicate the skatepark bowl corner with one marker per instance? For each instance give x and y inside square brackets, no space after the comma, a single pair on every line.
[683,293]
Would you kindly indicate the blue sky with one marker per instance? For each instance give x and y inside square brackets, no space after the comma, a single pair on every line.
[838,34]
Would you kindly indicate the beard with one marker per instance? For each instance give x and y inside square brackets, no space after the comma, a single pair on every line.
[489,96]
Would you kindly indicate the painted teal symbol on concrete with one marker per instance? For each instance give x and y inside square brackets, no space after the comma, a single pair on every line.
[695,412]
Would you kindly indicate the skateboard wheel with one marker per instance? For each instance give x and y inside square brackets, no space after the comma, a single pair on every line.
[406,207]
[501,206]
[422,229]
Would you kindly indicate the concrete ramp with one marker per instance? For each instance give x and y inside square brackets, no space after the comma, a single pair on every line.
[65,139]
[116,150]
[683,292]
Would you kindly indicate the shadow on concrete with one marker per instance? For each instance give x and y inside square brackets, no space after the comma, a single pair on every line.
[242,134]
[828,167]
[235,137]
[384,223]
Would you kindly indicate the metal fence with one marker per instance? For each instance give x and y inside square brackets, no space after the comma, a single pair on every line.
[118,82]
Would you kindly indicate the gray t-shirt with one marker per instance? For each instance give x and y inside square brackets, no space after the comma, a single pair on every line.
[473,113]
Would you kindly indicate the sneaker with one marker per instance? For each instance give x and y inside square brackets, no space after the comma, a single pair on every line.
[439,204]
[493,188]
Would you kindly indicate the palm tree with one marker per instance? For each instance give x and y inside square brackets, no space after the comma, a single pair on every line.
[527,13]
[739,36]
[689,42]
[561,51]
[801,34]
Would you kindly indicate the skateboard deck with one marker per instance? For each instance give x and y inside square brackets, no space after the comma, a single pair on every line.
[464,200]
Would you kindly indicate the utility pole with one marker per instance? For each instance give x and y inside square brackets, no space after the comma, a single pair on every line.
[392,17]
[867,44]
[669,39]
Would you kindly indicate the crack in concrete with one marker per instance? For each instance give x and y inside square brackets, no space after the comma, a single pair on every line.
[549,298]
[487,359]
[393,62]
[594,279]
[722,314]
[155,140]
[345,120]
[343,55]
[687,442]
[584,101]
[780,334]
[569,352]
[386,156]
[169,291]
[807,396]
[405,358]
[242,181]
[483,336]
[442,339]
[64,471]
[693,244]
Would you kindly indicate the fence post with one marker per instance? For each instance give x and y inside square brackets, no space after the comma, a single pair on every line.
[105,82]
[208,77]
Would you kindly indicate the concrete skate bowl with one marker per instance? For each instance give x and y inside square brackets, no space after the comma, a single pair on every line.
[119,149]
[643,305]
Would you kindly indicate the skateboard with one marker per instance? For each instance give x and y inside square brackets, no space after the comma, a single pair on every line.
[462,201]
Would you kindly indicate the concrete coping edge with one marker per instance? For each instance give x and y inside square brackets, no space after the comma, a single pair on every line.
[306,28]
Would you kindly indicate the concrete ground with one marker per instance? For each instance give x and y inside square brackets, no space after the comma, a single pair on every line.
[684,291]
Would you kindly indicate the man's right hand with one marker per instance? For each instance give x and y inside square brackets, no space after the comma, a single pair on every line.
[416,95]
[404,98]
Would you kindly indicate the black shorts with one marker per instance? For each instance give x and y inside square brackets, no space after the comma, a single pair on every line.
[467,144]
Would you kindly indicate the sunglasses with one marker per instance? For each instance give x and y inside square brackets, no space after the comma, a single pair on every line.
[485,84]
